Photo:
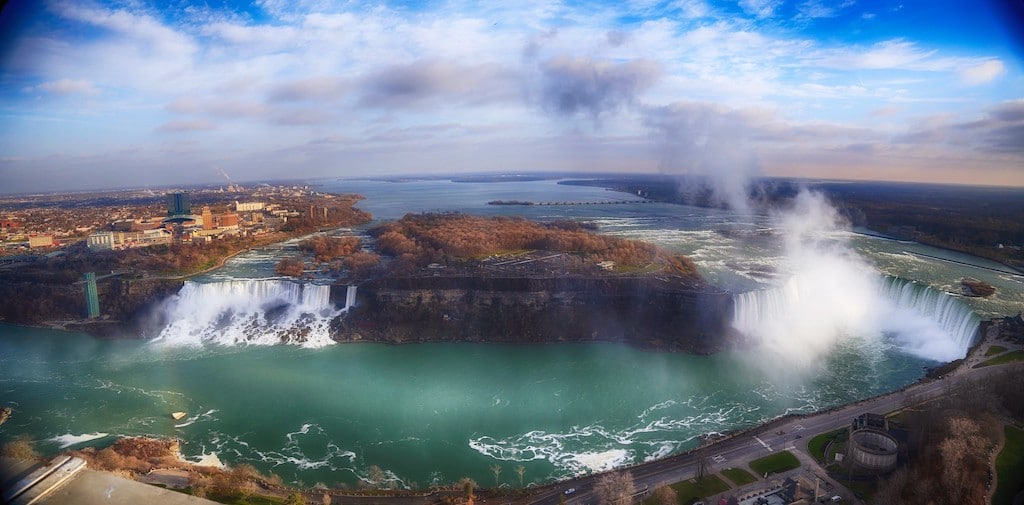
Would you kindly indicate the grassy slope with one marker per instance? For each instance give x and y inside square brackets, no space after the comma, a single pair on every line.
[1010,467]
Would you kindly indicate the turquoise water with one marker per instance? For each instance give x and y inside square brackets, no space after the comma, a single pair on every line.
[433,413]
[428,413]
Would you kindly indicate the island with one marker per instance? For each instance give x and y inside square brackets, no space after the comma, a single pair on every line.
[456,277]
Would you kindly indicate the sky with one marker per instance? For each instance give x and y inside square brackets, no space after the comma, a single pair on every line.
[97,94]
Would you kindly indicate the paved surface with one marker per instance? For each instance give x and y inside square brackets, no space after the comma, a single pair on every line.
[91,487]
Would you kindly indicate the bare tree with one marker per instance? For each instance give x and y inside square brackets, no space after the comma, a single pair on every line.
[326,499]
[615,488]
[520,471]
[496,470]
[702,462]
[665,495]
[468,485]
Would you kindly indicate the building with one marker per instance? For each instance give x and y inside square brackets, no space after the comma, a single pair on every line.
[92,301]
[208,219]
[178,204]
[116,240]
[229,220]
[101,240]
[40,241]
[870,446]
[248,206]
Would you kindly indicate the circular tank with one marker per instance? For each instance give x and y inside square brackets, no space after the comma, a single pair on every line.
[873,450]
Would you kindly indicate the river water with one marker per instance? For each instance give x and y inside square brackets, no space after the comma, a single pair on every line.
[433,413]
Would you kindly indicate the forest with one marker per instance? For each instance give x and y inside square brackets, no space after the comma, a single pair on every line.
[418,240]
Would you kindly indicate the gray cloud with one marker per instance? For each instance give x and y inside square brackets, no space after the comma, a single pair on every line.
[707,140]
[310,89]
[426,82]
[616,37]
[1000,131]
[581,85]
[186,126]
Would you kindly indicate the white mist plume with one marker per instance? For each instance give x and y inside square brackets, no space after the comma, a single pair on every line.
[832,294]
[830,291]
[709,141]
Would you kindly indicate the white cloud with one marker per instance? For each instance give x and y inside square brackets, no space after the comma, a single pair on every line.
[178,126]
[68,87]
[983,73]
[760,8]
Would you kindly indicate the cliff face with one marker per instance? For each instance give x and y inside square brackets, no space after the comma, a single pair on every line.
[124,304]
[642,311]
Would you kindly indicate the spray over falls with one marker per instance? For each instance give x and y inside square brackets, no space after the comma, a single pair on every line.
[923,321]
[833,294]
[261,312]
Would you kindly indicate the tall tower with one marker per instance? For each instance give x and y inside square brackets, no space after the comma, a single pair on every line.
[92,299]
[178,204]
[207,219]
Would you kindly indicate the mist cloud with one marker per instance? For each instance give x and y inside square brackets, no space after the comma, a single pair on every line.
[710,141]
[571,86]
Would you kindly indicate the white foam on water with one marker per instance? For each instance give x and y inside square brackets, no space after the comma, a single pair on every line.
[70,439]
[208,415]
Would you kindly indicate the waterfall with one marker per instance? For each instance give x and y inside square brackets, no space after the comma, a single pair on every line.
[350,297]
[261,312]
[954,317]
[922,320]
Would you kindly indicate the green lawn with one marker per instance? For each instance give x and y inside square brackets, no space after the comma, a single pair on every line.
[1010,467]
[1009,357]
[739,476]
[690,491]
[778,462]
[817,444]
[234,500]
[995,349]
[864,489]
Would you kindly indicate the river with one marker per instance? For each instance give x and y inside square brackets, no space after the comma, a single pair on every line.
[432,413]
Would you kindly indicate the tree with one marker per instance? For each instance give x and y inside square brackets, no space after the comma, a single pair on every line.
[615,488]
[468,485]
[520,470]
[375,475]
[326,499]
[702,461]
[496,470]
[20,448]
[665,495]
[295,498]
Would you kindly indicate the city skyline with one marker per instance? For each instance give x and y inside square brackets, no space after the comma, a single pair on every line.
[112,94]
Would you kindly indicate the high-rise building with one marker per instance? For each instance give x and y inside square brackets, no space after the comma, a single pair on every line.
[208,219]
[178,204]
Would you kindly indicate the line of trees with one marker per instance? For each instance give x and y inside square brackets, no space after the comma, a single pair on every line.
[420,239]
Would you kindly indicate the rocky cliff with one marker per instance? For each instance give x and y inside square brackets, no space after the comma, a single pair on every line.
[124,304]
[648,312]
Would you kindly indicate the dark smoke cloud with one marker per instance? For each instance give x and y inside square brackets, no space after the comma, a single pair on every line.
[428,81]
[707,140]
[571,86]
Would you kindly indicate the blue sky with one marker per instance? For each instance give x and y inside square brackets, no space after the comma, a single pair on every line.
[135,93]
